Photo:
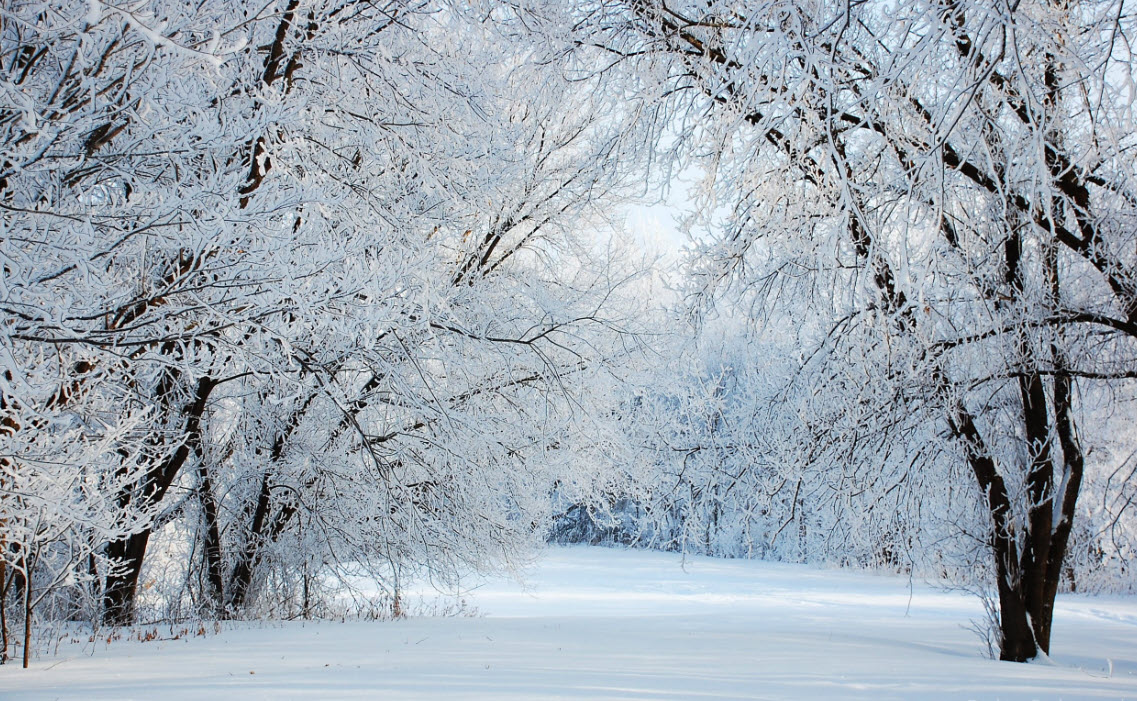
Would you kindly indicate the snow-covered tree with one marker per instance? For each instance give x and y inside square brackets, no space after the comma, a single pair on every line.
[292,284]
[937,197]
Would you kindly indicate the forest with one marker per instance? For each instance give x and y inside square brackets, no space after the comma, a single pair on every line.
[299,292]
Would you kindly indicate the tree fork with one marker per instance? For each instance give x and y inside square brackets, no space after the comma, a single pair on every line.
[128,554]
[1017,642]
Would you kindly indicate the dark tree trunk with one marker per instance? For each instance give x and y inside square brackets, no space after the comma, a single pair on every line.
[276,66]
[122,582]
[212,555]
[1022,633]
[128,554]
[8,427]
[213,575]
[4,584]
[27,613]
[242,577]
[1017,639]
[1028,581]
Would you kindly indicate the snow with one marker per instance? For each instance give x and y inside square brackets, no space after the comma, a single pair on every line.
[594,623]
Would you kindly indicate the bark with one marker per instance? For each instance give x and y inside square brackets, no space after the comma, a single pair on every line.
[27,613]
[1073,464]
[1035,557]
[8,427]
[1028,581]
[122,581]
[128,554]
[1017,639]
[4,584]
[278,65]
[241,579]
[213,576]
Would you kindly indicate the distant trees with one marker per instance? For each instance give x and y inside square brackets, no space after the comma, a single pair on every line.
[936,201]
[286,287]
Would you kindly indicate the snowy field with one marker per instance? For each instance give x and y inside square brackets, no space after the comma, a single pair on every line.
[595,623]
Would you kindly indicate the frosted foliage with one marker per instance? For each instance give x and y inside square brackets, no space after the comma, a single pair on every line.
[308,291]
[286,287]
[922,220]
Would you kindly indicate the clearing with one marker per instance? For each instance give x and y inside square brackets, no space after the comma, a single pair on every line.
[596,623]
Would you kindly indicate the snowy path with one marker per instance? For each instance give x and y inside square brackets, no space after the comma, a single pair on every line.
[609,624]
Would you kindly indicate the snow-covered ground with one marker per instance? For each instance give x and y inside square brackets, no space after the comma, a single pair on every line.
[595,623]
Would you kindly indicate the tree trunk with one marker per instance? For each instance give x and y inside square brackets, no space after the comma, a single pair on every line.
[242,577]
[120,590]
[128,554]
[4,585]
[1028,582]
[213,576]
[1017,642]
[27,613]
[1016,638]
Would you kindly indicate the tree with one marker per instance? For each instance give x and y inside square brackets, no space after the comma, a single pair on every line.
[944,187]
[301,283]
